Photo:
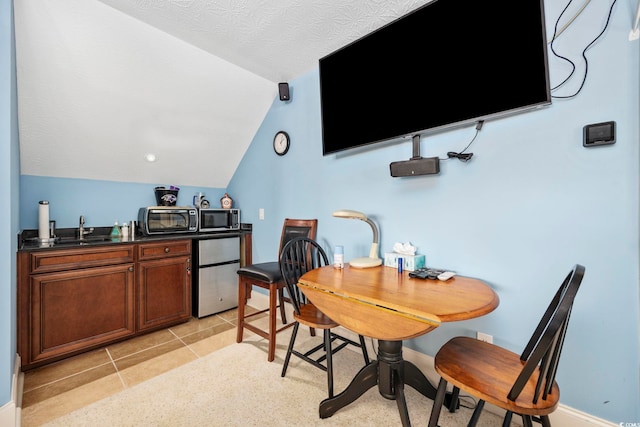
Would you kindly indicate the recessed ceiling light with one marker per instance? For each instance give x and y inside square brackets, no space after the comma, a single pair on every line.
[150,157]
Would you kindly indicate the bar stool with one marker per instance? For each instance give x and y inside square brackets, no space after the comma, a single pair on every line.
[267,276]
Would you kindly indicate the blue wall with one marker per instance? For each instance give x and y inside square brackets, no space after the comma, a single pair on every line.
[101,202]
[9,172]
[530,204]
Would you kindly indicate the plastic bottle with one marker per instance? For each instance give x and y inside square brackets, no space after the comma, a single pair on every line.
[115,231]
[338,257]
[124,230]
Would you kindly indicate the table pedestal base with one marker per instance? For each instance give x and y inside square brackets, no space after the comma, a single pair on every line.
[390,372]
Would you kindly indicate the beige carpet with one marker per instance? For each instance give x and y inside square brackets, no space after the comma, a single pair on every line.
[236,386]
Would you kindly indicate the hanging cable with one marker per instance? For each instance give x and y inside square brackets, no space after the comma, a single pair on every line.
[462,156]
[584,56]
[557,32]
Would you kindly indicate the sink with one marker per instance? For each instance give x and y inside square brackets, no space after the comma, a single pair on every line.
[87,239]
[96,239]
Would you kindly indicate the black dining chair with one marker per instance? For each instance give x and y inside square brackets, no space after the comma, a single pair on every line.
[297,257]
[520,384]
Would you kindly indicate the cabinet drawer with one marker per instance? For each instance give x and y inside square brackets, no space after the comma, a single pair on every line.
[147,251]
[71,259]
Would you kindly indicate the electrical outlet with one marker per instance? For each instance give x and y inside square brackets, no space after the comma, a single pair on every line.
[261,213]
[485,337]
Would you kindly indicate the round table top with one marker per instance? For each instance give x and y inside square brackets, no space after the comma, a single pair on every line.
[381,303]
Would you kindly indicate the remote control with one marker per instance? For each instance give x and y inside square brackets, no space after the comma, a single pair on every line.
[446,275]
[426,273]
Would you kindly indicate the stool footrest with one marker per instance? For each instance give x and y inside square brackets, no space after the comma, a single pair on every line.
[265,334]
[247,316]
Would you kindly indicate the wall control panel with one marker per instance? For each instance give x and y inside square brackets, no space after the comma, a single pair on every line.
[599,134]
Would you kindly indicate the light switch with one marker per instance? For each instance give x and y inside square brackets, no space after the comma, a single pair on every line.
[261,213]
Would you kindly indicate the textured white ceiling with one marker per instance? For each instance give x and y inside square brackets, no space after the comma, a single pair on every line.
[102,82]
[278,40]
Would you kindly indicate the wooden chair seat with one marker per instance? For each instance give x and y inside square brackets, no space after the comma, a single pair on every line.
[488,372]
[312,317]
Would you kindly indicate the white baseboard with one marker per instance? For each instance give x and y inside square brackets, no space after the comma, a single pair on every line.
[564,416]
[10,411]
[569,417]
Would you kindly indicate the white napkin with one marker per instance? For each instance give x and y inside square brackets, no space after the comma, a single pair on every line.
[404,248]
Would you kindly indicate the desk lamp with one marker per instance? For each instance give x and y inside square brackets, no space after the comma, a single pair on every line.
[372,260]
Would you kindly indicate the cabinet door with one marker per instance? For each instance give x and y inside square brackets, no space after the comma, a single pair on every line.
[164,292]
[218,251]
[76,310]
[217,288]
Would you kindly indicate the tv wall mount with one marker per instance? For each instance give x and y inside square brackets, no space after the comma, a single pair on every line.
[416,165]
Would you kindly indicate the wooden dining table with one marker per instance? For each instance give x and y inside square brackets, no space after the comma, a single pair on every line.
[390,306]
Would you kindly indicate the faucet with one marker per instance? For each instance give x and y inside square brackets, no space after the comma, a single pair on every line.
[81,230]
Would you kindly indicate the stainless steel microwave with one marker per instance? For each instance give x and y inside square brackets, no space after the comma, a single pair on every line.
[167,220]
[218,219]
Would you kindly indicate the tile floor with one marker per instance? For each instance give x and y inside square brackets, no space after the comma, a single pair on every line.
[62,387]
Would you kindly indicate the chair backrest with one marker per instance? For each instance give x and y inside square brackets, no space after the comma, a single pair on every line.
[298,256]
[293,228]
[544,347]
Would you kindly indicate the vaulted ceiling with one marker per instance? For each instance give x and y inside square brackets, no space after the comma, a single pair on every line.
[102,83]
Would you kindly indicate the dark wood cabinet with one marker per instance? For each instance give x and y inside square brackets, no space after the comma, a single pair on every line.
[164,283]
[74,300]
[77,309]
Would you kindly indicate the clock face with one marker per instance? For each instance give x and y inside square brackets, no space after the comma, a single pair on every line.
[281,143]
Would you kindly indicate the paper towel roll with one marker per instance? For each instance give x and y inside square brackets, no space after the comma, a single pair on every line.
[43,220]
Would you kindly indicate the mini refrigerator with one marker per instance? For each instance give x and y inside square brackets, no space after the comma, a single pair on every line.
[215,286]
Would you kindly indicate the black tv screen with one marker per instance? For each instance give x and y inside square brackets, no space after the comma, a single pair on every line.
[447,64]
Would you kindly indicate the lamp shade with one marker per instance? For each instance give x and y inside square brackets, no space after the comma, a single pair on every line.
[346,213]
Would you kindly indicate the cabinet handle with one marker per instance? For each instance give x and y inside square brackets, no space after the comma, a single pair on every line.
[166,250]
[131,268]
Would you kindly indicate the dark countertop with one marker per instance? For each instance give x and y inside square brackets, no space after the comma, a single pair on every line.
[67,238]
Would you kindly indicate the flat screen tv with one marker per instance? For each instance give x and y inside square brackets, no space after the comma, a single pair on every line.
[447,64]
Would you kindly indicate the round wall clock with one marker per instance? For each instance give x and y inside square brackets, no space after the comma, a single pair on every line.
[281,143]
